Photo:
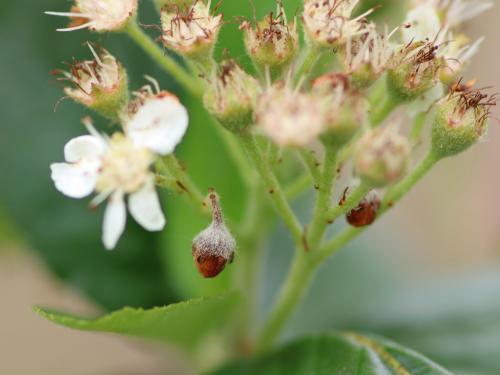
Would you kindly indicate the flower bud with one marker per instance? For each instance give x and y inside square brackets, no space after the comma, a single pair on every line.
[191,31]
[328,23]
[100,84]
[382,157]
[289,117]
[412,71]
[231,96]
[99,15]
[366,211]
[346,108]
[214,247]
[460,120]
[456,56]
[365,57]
[272,43]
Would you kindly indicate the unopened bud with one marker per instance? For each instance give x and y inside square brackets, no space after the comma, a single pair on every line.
[99,15]
[100,84]
[346,108]
[214,247]
[231,96]
[272,43]
[328,23]
[289,117]
[365,57]
[366,211]
[413,71]
[382,157]
[461,119]
[191,31]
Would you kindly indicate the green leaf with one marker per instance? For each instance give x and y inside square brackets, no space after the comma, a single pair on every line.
[183,323]
[339,354]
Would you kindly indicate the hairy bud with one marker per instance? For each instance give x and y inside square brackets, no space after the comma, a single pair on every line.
[100,84]
[290,118]
[382,157]
[413,71]
[346,108]
[214,247]
[99,15]
[231,96]
[461,119]
[190,31]
[272,43]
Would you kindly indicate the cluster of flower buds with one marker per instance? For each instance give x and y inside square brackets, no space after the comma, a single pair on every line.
[99,15]
[190,30]
[271,43]
[120,165]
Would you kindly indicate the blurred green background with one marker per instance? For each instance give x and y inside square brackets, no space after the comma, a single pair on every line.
[428,276]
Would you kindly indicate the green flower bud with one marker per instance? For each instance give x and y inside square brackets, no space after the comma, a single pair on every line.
[272,43]
[191,31]
[346,111]
[100,84]
[460,120]
[382,157]
[231,95]
[412,71]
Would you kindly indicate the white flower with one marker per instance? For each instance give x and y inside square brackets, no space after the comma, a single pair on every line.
[190,30]
[423,23]
[329,23]
[99,15]
[455,12]
[112,167]
[156,120]
[290,118]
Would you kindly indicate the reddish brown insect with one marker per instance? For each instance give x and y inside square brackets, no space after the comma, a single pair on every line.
[365,213]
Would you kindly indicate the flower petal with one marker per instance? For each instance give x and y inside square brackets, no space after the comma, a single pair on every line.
[74,180]
[159,125]
[425,24]
[115,218]
[144,205]
[86,147]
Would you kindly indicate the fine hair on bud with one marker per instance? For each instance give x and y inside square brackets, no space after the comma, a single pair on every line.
[214,247]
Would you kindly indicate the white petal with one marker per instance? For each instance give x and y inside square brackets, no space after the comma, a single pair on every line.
[74,180]
[115,218]
[145,208]
[425,24]
[86,147]
[159,125]
[423,103]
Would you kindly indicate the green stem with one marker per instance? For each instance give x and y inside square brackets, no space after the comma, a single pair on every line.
[298,186]
[312,164]
[418,127]
[324,199]
[170,165]
[351,202]
[379,112]
[274,189]
[305,264]
[186,79]
[294,288]
[305,69]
